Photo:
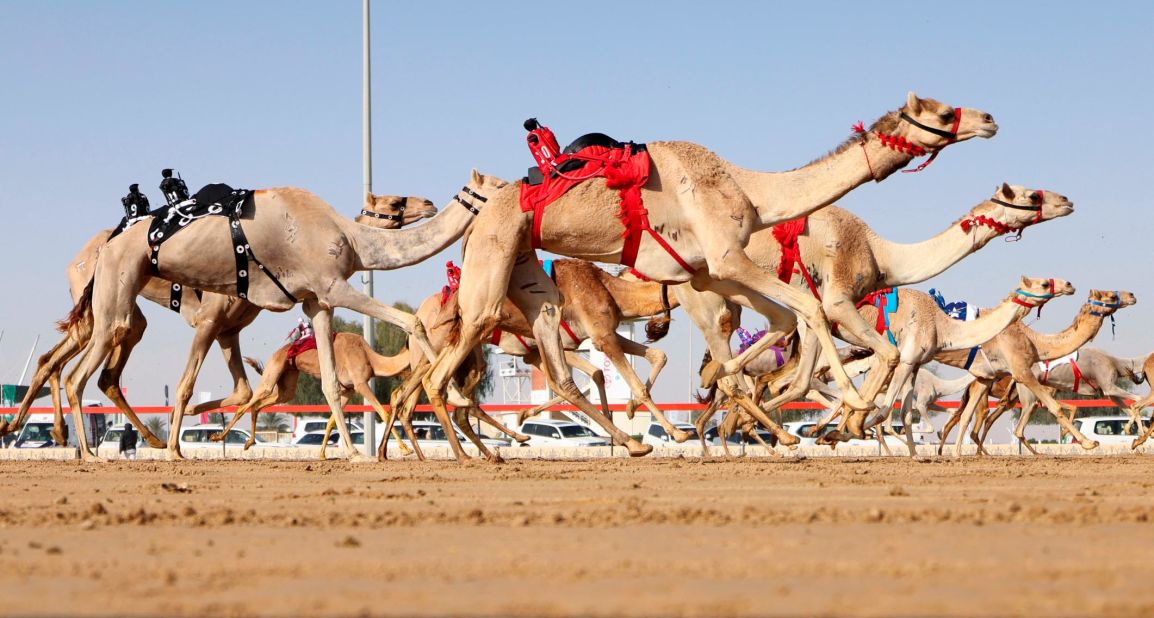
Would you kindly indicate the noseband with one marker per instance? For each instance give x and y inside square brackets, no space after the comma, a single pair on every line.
[901,144]
[1042,297]
[1100,314]
[1034,207]
[399,217]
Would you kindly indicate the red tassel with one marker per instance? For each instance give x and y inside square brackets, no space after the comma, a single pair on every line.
[858,127]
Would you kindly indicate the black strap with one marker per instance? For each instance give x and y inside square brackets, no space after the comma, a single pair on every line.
[397,217]
[1016,206]
[474,194]
[174,297]
[242,253]
[467,205]
[939,132]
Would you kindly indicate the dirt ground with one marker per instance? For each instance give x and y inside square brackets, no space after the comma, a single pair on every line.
[996,536]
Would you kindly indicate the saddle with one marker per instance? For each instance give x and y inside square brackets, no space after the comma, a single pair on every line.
[211,200]
[960,310]
[887,303]
[624,166]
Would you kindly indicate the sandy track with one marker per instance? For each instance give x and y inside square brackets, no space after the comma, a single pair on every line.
[681,537]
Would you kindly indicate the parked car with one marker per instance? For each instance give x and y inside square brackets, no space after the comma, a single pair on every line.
[560,433]
[656,435]
[36,435]
[315,438]
[431,434]
[200,436]
[313,424]
[1106,429]
[36,432]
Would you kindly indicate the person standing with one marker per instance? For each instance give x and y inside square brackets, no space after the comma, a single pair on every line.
[128,441]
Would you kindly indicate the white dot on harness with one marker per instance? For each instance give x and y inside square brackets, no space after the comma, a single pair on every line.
[176,303]
[239,249]
[242,295]
[176,286]
[242,273]
[153,260]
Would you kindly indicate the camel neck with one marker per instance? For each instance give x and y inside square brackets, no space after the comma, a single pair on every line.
[780,196]
[965,335]
[378,249]
[904,264]
[388,366]
[637,299]
[1056,345]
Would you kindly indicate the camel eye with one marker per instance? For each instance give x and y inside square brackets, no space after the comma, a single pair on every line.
[1046,284]
[947,116]
[1036,198]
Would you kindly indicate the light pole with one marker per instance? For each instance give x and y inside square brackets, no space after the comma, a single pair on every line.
[370,432]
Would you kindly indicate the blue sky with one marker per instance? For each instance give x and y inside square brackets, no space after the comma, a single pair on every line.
[259,94]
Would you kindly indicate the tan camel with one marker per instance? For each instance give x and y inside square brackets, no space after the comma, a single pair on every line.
[847,260]
[215,317]
[301,241]
[1015,352]
[356,361]
[1098,373]
[596,303]
[704,210]
[922,330]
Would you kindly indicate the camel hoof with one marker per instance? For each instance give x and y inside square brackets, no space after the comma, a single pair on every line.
[496,458]
[248,444]
[156,443]
[637,449]
[519,438]
[358,458]
[1133,445]
[788,439]
[1089,445]
[174,455]
[90,458]
[216,437]
[680,435]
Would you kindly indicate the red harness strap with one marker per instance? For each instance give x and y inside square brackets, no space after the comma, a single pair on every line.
[496,339]
[623,170]
[786,234]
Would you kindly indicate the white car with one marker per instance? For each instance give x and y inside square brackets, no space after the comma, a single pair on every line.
[656,435]
[1106,429]
[200,436]
[432,435]
[801,429]
[560,434]
[312,425]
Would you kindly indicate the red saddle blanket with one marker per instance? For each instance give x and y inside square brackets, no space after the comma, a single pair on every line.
[623,169]
[300,346]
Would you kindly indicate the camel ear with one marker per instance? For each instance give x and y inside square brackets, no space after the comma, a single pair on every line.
[369,198]
[477,178]
[913,103]
[1007,192]
[1025,282]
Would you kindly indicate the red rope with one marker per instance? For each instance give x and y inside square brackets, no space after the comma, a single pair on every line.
[786,234]
[970,222]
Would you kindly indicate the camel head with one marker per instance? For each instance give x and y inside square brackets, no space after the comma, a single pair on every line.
[1017,207]
[1107,302]
[934,125]
[389,212]
[1034,292]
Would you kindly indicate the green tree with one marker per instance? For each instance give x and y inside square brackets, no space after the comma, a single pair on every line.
[273,422]
[156,425]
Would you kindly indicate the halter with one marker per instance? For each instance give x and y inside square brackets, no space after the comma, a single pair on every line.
[1003,228]
[901,144]
[1042,297]
[1100,314]
[400,216]
[473,194]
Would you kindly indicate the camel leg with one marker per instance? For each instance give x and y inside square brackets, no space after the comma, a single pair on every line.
[951,422]
[1029,404]
[109,379]
[853,328]
[979,394]
[596,375]
[484,417]
[784,438]
[322,325]
[741,279]
[97,351]
[1047,399]
[371,398]
[703,420]
[241,389]
[610,345]
[461,418]
[48,369]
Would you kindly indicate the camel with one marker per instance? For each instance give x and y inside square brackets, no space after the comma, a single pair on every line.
[1015,351]
[356,361]
[1098,373]
[921,330]
[699,211]
[596,303]
[215,317]
[846,261]
[306,253]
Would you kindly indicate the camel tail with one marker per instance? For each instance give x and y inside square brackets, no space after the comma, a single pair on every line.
[81,311]
[657,328]
[255,364]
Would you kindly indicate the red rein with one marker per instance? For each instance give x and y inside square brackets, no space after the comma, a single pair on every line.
[999,227]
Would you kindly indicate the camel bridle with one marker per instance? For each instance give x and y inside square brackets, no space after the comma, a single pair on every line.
[1114,306]
[473,194]
[1038,198]
[399,217]
[1041,297]
[901,144]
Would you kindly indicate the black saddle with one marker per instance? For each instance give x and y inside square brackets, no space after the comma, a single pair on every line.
[534,176]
